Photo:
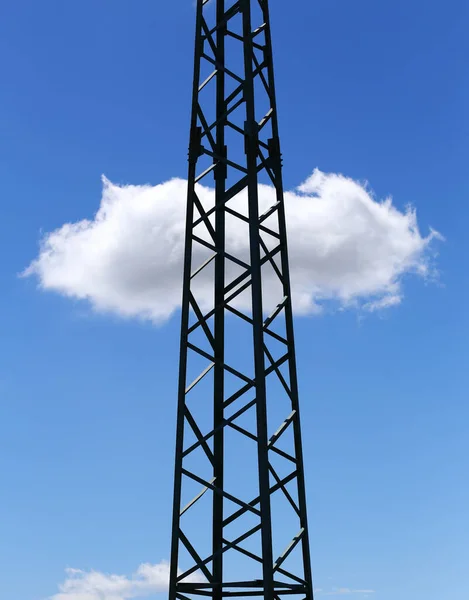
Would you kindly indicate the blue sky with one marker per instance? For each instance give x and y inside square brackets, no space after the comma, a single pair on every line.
[376,91]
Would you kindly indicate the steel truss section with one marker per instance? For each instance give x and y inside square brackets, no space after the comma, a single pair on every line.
[229,285]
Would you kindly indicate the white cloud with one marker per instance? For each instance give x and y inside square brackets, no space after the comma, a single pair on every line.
[345,246]
[93,585]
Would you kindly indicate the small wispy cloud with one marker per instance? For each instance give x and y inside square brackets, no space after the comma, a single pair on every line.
[148,580]
[94,585]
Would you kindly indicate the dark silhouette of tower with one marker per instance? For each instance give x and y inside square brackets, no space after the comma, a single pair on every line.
[239,523]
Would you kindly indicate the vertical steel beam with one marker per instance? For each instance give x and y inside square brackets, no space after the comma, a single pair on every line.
[288,309]
[219,318]
[193,155]
[252,147]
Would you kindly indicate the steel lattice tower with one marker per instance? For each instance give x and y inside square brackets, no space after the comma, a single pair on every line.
[239,521]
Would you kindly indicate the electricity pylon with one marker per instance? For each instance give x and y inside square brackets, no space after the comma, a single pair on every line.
[239,522]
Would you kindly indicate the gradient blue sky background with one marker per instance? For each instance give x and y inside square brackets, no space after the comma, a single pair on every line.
[375,90]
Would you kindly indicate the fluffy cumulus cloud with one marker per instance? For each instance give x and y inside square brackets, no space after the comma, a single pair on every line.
[345,246]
